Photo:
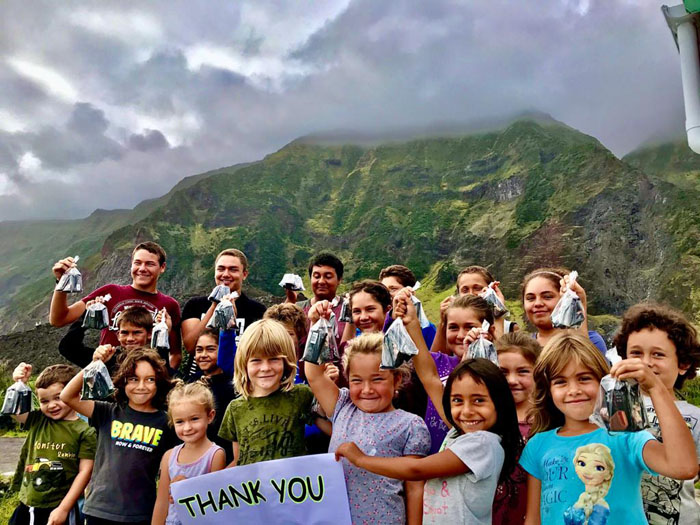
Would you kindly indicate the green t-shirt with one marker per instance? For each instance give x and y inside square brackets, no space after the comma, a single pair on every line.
[269,427]
[54,450]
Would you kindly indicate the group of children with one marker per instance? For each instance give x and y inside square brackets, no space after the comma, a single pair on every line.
[444,438]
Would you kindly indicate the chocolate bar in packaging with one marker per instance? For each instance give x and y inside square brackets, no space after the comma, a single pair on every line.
[97,384]
[321,346]
[482,348]
[397,347]
[72,280]
[18,399]
[218,292]
[569,313]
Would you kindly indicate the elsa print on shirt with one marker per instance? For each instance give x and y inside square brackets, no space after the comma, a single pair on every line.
[595,468]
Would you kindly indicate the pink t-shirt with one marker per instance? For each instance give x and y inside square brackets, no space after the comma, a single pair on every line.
[126,296]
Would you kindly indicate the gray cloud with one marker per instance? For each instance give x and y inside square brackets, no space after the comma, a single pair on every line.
[149,95]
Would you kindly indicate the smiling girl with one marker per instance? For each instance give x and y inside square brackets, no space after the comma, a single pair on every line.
[541,291]
[567,380]
[191,411]
[364,413]
[132,436]
[267,421]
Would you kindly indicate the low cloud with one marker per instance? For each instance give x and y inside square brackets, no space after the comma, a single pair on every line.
[103,109]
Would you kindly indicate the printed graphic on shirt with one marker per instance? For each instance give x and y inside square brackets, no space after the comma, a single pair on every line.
[269,436]
[663,496]
[141,437]
[594,466]
[44,474]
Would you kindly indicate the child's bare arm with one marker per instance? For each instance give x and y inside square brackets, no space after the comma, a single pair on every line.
[160,511]
[236,454]
[60,514]
[423,362]
[218,462]
[324,389]
[70,395]
[534,489]
[676,456]
[22,373]
[414,502]
[409,468]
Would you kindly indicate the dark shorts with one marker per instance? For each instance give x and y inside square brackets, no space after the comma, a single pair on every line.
[24,515]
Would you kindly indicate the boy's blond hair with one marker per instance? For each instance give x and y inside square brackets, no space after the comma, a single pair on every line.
[561,350]
[264,338]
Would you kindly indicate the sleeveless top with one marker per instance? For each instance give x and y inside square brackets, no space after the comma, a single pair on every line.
[187,470]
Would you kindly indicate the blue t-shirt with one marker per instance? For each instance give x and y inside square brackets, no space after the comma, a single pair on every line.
[562,464]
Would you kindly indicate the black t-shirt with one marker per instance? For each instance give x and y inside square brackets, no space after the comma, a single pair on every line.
[247,311]
[130,445]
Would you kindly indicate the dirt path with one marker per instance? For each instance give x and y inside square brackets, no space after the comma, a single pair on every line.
[9,454]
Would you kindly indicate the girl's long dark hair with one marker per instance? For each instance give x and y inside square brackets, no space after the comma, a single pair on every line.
[485,372]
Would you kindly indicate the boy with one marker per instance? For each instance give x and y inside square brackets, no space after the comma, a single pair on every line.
[326,274]
[134,327]
[666,342]
[230,269]
[147,265]
[60,451]
[395,278]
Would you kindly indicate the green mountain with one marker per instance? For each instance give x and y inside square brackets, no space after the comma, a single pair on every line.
[533,192]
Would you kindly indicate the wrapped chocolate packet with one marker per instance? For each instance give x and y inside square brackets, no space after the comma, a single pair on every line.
[291,281]
[96,315]
[160,337]
[490,296]
[97,384]
[397,347]
[482,348]
[568,313]
[321,346]
[72,280]
[18,399]
[345,313]
[620,404]
[224,316]
[218,292]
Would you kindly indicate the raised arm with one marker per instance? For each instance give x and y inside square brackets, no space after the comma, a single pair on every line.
[440,340]
[423,362]
[60,314]
[675,457]
[70,395]
[323,387]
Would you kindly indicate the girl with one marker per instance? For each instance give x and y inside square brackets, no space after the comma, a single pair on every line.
[464,317]
[364,413]
[190,412]
[206,353]
[267,421]
[480,449]
[517,354]
[567,379]
[473,280]
[541,291]
[132,436]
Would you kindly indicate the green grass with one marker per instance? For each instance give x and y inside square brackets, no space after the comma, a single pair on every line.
[691,391]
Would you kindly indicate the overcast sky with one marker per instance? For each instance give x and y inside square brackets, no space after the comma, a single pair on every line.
[107,103]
